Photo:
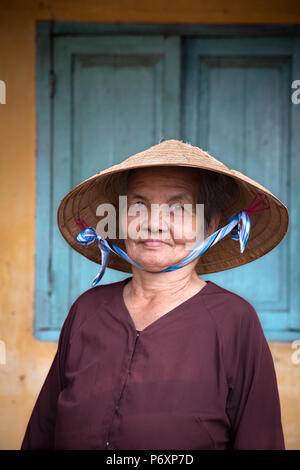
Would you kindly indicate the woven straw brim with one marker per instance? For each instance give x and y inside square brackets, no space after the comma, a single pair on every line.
[267,227]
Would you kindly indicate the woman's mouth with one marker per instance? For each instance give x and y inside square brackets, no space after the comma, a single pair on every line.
[153,243]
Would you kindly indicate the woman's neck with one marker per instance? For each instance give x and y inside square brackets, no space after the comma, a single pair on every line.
[151,287]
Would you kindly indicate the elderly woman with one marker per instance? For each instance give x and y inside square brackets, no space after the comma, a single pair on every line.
[164,359]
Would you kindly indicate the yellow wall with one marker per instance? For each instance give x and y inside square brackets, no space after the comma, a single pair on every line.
[28,360]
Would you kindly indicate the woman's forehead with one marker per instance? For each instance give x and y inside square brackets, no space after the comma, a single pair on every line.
[165,176]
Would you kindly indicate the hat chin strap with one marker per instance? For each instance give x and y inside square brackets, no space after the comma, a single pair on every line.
[89,235]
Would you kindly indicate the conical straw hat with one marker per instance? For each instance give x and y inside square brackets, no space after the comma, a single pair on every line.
[268,227]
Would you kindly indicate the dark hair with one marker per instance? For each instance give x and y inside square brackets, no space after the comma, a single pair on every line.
[216,191]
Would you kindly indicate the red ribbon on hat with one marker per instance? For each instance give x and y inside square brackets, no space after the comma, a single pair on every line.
[82,223]
[251,208]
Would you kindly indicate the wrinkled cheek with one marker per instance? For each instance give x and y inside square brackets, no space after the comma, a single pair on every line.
[131,248]
[183,232]
[192,231]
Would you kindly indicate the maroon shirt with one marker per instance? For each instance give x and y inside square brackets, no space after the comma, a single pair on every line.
[199,377]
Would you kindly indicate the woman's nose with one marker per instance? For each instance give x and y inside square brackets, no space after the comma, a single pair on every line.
[158,220]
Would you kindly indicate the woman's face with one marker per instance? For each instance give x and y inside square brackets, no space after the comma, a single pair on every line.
[173,187]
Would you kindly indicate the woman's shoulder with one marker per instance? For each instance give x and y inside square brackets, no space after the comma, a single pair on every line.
[100,292]
[230,310]
[236,323]
[90,302]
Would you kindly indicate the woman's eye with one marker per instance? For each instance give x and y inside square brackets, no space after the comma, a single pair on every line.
[135,203]
[176,207]
[136,206]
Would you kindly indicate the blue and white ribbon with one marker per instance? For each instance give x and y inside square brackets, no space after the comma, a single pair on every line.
[89,235]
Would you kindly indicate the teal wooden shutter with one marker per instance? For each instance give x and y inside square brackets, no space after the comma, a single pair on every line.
[109,96]
[237,106]
[112,96]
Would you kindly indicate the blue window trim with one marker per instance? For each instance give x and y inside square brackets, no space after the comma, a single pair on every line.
[43,184]
[45,31]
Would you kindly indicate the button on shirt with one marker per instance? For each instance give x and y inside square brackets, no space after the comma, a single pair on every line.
[199,377]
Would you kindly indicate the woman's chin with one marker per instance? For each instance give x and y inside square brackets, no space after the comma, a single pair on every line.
[155,263]
[153,266]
